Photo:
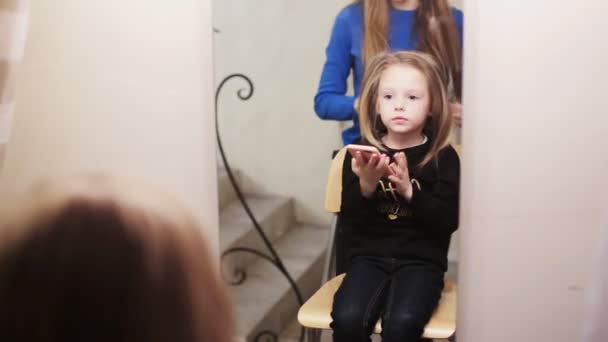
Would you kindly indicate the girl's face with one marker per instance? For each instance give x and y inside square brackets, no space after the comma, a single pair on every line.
[403,100]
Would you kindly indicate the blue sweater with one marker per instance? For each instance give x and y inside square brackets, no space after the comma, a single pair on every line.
[343,55]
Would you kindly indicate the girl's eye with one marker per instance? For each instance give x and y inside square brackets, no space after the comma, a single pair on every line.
[412,97]
[388,96]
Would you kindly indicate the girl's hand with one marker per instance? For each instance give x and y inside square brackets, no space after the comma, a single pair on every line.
[401,176]
[456,109]
[369,171]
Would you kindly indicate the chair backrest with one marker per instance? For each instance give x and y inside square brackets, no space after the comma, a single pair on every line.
[333,190]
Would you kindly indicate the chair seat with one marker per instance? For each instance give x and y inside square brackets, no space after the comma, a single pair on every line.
[316,312]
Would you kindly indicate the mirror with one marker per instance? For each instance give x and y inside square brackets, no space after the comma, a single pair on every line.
[269,58]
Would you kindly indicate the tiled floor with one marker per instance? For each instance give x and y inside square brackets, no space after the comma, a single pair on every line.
[292,333]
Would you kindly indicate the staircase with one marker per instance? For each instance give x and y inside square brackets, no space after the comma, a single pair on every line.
[265,302]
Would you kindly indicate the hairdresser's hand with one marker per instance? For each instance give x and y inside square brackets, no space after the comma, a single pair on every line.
[456,109]
[401,176]
[369,171]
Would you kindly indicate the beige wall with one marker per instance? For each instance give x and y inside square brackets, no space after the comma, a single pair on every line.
[534,167]
[119,85]
[457,3]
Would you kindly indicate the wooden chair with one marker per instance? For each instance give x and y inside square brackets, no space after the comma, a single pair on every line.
[316,312]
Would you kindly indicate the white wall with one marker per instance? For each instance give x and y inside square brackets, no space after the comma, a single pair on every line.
[275,138]
[594,326]
[534,167]
[119,85]
[13,30]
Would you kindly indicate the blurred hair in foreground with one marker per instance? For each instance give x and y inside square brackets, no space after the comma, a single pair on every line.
[107,258]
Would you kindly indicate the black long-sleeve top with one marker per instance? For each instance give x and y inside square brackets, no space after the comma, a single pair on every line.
[388,225]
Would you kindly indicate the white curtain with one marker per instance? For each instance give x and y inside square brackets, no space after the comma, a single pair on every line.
[13,32]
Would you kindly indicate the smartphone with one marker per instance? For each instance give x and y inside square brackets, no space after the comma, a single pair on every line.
[367,152]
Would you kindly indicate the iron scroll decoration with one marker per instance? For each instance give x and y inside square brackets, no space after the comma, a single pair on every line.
[240,274]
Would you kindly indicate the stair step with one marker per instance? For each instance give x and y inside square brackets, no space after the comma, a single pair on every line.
[225,190]
[265,301]
[274,214]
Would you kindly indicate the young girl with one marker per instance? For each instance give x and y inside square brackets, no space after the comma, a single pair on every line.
[368,27]
[400,206]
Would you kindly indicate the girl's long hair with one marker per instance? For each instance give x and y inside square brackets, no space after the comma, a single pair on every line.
[439,122]
[435,32]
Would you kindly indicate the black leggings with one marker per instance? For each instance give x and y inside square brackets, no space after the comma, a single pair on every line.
[404,294]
